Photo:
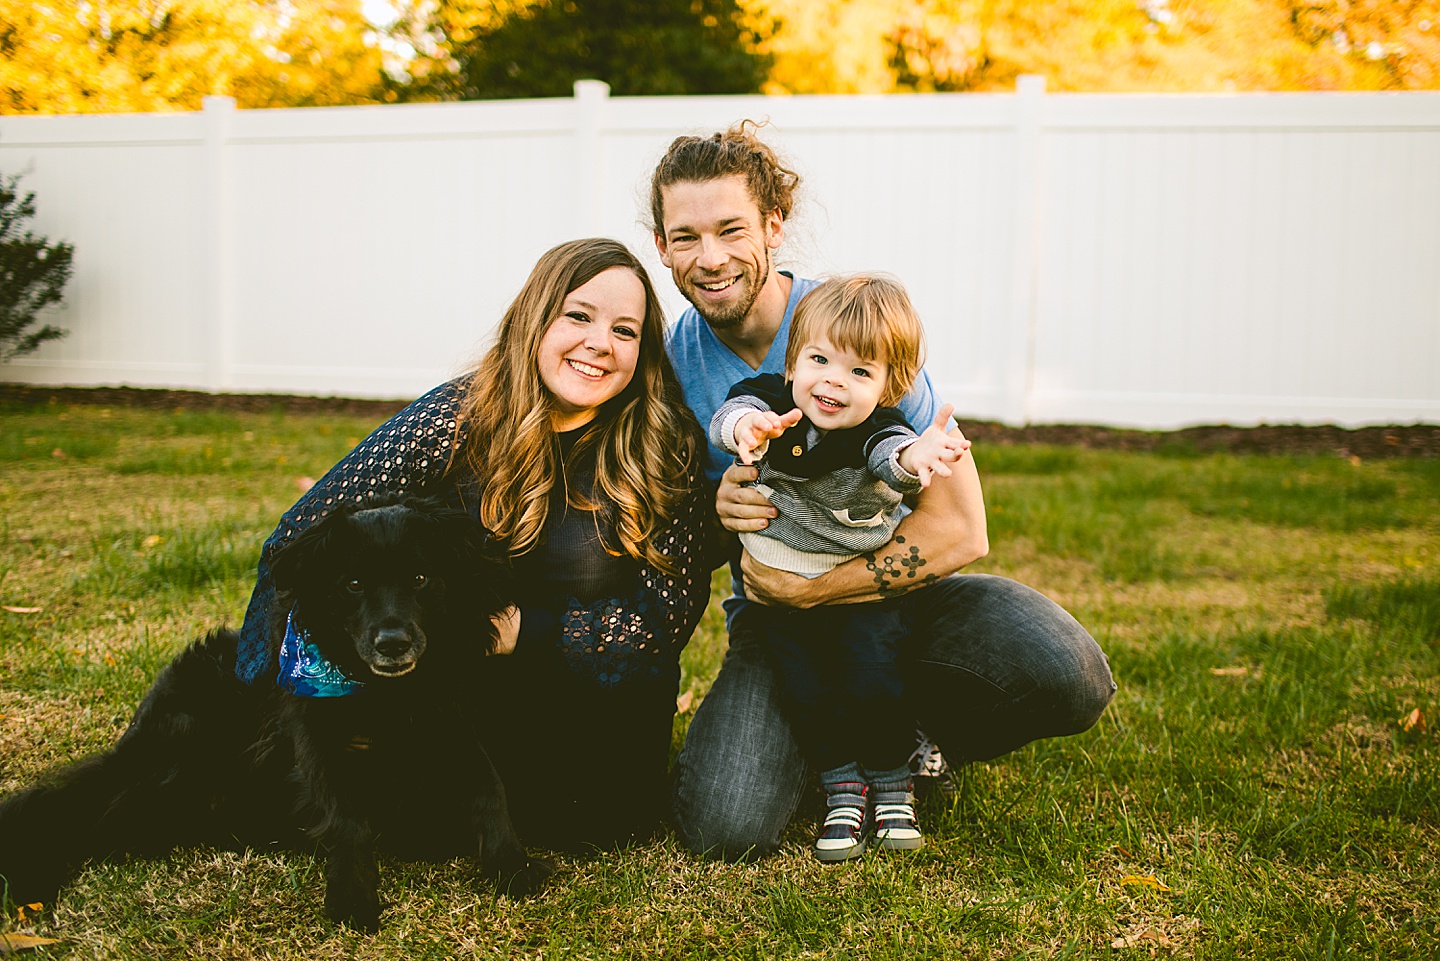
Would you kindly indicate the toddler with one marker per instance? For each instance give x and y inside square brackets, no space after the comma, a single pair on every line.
[835,458]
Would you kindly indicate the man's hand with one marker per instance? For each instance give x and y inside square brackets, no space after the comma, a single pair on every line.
[935,450]
[755,431]
[507,625]
[742,510]
[770,585]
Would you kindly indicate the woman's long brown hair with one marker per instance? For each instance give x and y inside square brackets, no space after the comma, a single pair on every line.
[645,439]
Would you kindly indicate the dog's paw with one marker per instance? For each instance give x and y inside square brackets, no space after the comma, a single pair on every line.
[16,889]
[353,906]
[527,880]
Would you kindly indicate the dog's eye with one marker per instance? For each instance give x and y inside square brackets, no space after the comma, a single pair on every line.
[421,580]
[354,586]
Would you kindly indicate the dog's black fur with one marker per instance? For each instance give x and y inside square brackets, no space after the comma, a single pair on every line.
[400,597]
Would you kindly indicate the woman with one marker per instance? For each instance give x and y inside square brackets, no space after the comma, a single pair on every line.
[571,444]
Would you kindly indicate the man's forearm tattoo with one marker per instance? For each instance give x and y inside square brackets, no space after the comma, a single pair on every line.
[898,573]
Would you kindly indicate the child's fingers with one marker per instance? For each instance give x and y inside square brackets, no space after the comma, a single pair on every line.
[942,417]
[773,426]
[954,450]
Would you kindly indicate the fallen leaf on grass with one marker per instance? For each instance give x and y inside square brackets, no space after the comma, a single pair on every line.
[1133,940]
[1144,880]
[1230,671]
[1413,721]
[684,702]
[10,943]
[23,610]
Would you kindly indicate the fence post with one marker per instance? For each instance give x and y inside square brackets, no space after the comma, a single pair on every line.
[590,100]
[218,313]
[1024,253]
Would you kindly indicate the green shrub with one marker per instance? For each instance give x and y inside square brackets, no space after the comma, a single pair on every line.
[33,272]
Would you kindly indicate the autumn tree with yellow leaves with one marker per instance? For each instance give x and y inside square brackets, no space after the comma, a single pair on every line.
[884,46]
[113,56]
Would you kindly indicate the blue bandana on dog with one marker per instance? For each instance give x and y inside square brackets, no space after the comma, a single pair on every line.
[305,672]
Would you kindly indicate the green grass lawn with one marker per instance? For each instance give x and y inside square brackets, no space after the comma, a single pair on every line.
[1260,786]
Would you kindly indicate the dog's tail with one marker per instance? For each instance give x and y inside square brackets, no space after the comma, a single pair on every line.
[158,788]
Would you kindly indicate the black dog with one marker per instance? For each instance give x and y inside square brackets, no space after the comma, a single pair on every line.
[396,601]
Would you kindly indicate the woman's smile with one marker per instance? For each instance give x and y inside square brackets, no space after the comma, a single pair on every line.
[586,370]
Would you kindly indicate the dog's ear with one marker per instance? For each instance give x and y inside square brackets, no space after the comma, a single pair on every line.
[294,564]
[453,530]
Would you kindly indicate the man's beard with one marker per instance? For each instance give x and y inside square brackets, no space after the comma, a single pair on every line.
[725,316]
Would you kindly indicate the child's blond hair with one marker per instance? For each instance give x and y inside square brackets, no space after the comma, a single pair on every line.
[869,315]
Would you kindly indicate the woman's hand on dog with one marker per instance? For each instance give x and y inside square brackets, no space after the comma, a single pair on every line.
[507,629]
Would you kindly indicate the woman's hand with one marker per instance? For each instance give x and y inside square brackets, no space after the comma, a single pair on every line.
[507,626]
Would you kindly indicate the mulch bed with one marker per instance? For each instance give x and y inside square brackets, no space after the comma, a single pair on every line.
[1417,440]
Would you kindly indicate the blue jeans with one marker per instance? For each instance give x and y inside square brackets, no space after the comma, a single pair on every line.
[988,664]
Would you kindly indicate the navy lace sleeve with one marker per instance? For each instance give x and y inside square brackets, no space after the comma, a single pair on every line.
[409,453]
[638,638]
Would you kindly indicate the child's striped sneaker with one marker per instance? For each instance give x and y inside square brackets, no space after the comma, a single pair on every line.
[843,835]
[895,826]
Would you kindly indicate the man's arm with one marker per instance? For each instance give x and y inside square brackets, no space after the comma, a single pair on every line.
[945,532]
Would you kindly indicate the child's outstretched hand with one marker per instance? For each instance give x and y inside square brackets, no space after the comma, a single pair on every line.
[935,450]
[755,430]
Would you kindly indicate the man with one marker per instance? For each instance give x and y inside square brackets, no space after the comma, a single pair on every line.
[989,664]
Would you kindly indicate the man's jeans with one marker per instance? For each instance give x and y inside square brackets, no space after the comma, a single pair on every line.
[989,665]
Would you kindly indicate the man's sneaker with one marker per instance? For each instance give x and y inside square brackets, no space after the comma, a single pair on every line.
[895,825]
[926,760]
[929,768]
[843,835]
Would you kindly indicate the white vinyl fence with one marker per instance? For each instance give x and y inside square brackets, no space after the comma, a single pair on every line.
[1132,260]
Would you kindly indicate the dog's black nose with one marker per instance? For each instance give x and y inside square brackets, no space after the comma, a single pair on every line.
[392,642]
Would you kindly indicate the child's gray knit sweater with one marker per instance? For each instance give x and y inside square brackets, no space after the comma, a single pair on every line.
[837,493]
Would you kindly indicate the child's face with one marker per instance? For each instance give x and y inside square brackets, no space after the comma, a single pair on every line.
[833,387]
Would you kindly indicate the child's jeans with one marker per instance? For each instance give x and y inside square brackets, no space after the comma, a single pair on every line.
[839,681]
